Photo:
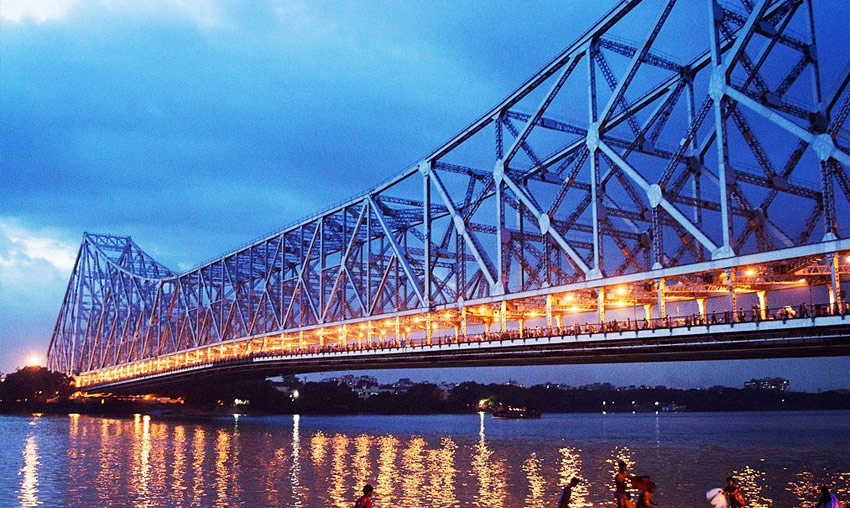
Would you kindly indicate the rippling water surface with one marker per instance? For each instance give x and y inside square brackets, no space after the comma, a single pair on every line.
[415,461]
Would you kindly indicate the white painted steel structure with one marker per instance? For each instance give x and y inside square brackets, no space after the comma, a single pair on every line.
[616,176]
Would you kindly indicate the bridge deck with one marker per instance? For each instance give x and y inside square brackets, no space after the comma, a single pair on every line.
[650,341]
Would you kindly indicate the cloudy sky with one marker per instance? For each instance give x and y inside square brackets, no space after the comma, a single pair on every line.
[195,126]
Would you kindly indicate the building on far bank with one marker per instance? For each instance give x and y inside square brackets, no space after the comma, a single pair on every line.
[777,384]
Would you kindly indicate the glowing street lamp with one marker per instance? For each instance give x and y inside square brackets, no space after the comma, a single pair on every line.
[34,360]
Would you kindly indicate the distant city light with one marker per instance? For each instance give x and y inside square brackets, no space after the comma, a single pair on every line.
[749,272]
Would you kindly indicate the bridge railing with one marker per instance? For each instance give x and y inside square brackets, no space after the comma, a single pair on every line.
[247,350]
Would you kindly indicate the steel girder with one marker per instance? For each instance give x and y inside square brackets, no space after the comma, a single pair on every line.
[615,163]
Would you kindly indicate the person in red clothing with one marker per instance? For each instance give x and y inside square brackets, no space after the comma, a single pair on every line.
[733,494]
[365,501]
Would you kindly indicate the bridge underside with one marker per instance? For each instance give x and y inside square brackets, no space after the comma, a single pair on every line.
[627,180]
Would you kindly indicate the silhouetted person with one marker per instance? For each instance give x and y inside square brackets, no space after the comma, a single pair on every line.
[620,484]
[567,493]
[365,501]
[733,494]
[645,497]
[827,500]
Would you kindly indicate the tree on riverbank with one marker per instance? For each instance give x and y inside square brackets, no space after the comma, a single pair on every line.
[32,387]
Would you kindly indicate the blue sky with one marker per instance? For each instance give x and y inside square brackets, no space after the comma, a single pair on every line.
[196,126]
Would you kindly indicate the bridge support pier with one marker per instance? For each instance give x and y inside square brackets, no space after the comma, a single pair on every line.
[662,307]
[600,304]
[463,321]
[733,300]
[503,316]
[834,284]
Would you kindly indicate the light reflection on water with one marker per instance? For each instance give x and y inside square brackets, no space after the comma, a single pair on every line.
[28,495]
[447,461]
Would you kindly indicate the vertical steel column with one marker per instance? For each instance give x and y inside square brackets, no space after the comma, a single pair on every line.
[368,261]
[717,88]
[428,328]
[463,321]
[762,296]
[425,169]
[549,299]
[600,304]
[733,300]
[592,140]
[701,307]
[503,316]
[660,285]
[502,235]
[834,284]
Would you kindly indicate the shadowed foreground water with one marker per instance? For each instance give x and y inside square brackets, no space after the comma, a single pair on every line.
[415,461]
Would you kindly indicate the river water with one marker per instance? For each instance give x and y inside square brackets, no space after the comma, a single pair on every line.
[416,461]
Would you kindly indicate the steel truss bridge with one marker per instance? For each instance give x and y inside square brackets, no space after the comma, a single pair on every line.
[628,202]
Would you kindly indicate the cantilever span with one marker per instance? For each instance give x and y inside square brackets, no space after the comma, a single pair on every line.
[625,181]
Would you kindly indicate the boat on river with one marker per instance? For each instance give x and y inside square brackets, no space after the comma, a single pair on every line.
[515,413]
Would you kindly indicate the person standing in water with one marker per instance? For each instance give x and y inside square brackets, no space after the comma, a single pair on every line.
[733,494]
[645,497]
[567,493]
[827,499]
[365,501]
[620,484]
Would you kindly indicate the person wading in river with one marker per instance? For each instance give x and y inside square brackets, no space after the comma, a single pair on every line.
[567,494]
[620,480]
[733,494]
[365,501]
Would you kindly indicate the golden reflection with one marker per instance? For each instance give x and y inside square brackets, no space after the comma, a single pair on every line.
[387,471]
[442,467]
[337,493]
[198,457]
[106,455]
[76,456]
[273,467]
[802,487]
[571,467]
[234,481]
[489,473]
[412,474]
[222,471]
[75,424]
[318,448]
[297,490]
[28,493]
[178,471]
[140,477]
[536,483]
[752,481]
[158,474]
[360,463]
[841,485]
[806,487]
